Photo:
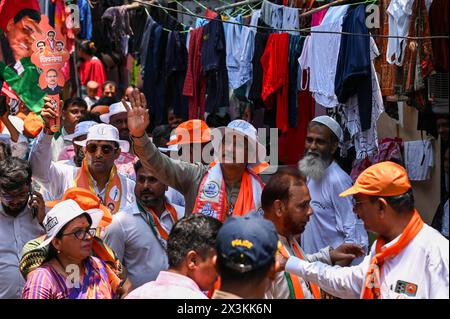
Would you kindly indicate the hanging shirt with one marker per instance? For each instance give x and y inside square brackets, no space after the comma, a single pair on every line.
[333,221]
[321,63]
[194,84]
[136,245]
[248,49]
[234,45]
[15,232]
[280,17]
[399,12]
[213,57]
[419,159]
[276,77]
[85,20]
[419,271]
[365,142]
[353,70]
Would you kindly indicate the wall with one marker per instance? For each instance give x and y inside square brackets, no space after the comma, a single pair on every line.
[426,193]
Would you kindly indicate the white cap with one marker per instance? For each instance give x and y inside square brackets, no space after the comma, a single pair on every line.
[80,129]
[331,124]
[114,109]
[104,132]
[61,214]
[246,129]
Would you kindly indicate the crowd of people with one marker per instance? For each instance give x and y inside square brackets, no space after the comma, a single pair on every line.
[105,210]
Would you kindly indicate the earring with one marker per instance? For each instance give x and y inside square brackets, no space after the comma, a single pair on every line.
[59,251]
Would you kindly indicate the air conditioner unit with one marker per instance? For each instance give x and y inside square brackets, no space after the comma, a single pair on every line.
[438,92]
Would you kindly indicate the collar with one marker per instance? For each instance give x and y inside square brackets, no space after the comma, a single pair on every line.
[220,294]
[171,278]
[165,212]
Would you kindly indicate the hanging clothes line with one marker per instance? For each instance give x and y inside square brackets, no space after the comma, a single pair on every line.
[237,4]
[306,30]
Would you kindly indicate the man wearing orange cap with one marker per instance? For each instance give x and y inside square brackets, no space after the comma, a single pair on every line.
[193,146]
[409,259]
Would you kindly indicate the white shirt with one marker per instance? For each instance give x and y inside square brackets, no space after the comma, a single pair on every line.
[399,14]
[423,262]
[15,232]
[58,145]
[333,221]
[175,197]
[316,56]
[56,178]
[136,246]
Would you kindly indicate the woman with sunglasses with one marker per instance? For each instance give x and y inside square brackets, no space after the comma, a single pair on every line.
[70,272]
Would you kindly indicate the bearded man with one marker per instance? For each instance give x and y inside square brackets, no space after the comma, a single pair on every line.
[333,222]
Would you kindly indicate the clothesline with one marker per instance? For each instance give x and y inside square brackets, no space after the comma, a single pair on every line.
[291,30]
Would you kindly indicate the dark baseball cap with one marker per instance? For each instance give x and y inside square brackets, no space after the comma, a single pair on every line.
[247,243]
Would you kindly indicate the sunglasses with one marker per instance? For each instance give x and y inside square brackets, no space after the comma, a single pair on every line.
[106,149]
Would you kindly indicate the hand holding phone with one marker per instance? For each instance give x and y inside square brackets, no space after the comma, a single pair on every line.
[37,205]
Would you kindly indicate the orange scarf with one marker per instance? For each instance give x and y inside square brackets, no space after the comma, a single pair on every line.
[113,193]
[296,288]
[372,283]
[212,200]
[161,231]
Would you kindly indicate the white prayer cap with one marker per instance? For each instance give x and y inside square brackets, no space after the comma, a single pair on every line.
[331,124]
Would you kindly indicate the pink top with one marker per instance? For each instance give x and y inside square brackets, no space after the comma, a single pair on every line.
[168,285]
[318,17]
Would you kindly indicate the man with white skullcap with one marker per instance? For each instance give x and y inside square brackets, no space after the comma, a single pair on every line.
[333,221]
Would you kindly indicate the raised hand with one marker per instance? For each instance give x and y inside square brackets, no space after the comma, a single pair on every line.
[138,117]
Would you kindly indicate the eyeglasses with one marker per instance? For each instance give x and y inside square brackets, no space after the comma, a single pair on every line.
[106,149]
[82,233]
[356,203]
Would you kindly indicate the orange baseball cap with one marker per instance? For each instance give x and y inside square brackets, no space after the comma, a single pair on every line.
[382,179]
[192,131]
[86,200]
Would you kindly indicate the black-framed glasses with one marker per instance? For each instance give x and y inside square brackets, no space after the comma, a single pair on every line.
[106,149]
[82,233]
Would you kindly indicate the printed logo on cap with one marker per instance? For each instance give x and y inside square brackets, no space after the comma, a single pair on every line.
[101,131]
[240,124]
[51,222]
[242,243]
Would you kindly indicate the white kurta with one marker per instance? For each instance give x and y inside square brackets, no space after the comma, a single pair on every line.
[333,221]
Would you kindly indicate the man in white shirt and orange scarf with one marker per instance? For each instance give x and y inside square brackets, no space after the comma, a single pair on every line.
[230,185]
[97,173]
[286,202]
[409,259]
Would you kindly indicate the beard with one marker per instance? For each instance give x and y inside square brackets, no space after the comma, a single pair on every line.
[312,165]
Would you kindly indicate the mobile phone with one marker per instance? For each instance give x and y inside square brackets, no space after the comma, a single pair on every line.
[33,209]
